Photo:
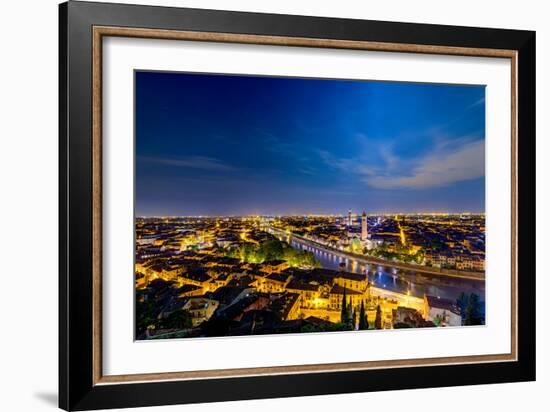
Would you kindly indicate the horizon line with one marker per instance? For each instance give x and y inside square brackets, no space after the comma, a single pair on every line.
[313,214]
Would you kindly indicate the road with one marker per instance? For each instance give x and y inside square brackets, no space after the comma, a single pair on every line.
[369,260]
[387,275]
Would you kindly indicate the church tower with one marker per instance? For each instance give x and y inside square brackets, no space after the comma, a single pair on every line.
[364,228]
[349,218]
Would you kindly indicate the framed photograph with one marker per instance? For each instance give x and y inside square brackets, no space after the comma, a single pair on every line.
[257,205]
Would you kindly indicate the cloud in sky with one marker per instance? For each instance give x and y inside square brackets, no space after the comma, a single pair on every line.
[223,144]
[478,102]
[438,169]
[448,163]
[191,162]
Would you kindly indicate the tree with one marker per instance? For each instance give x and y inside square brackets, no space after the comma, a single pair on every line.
[216,326]
[180,319]
[310,261]
[363,324]
[378,319]
[354,317]
[146,315]
[462,303]
[355,246]
[301,258]
[344,312]
[473,311]
[272,249]
[233,252]
[246,252]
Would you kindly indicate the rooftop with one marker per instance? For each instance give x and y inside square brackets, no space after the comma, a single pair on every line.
[442,303]
[339,290]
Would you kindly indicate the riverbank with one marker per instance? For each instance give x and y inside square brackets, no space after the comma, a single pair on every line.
[477,276]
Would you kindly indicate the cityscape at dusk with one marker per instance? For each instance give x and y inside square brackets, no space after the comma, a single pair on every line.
[290,205]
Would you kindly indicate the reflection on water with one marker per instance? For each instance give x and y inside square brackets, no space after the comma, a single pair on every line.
[397,280]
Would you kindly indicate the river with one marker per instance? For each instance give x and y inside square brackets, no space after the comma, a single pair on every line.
[391,278]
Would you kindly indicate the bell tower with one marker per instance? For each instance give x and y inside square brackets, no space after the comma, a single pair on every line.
[364,228]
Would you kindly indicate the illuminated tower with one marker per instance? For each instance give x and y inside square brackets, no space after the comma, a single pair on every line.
[364,228]
[349,217]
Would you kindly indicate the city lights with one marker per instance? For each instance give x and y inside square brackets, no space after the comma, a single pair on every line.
[303,273]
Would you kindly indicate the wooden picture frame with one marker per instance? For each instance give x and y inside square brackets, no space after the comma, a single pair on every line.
[82,384]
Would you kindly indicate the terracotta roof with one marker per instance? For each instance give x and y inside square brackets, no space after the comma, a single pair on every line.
[297,285]
[352,276]
[284,304]
[278,277]
[339,290]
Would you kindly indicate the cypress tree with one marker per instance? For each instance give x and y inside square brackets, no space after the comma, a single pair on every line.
[344,313]
[378,320]
[472,315]
[350,309]
[363,324]
[462,303]
[354,324]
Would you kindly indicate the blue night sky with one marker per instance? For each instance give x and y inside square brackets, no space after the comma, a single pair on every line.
[238,145]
